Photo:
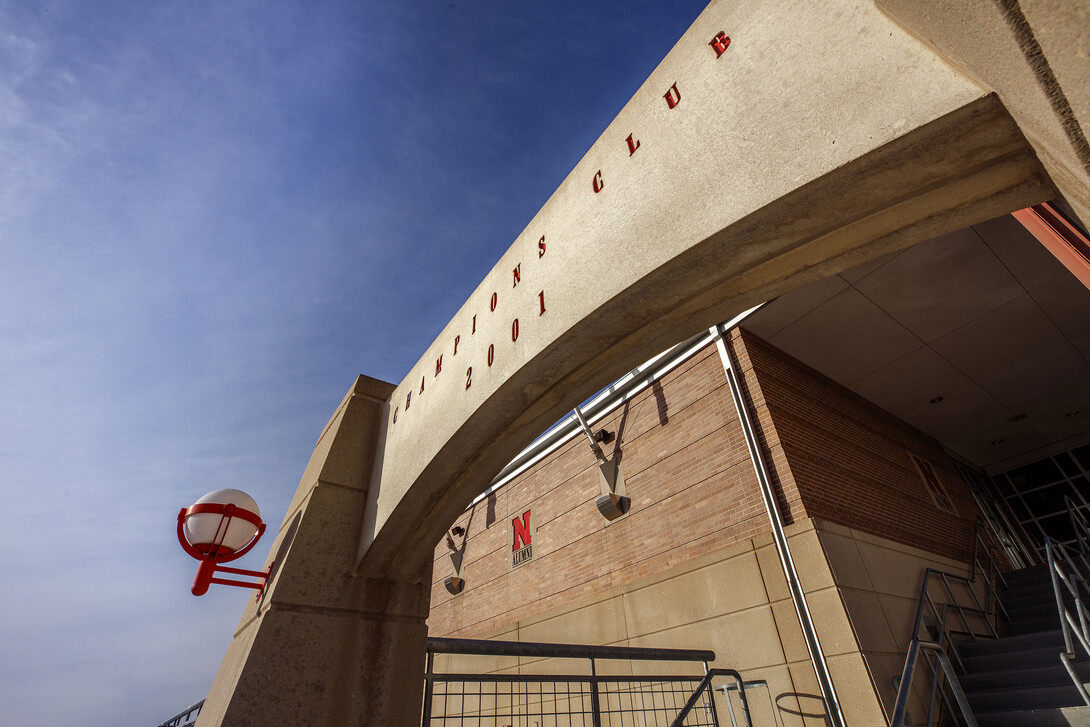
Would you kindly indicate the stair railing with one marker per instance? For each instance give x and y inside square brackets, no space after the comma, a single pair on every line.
[1069,579]
[1081,527]
[935,625]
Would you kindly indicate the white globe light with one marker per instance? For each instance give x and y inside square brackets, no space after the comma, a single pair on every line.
[204,529]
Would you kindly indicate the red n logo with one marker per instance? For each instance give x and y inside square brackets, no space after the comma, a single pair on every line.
[521,528]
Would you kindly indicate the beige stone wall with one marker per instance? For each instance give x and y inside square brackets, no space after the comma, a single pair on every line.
[878,581]
[734,601]
[693,491]
[862,591]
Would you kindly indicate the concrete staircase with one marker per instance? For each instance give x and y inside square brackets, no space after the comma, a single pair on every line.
[1017,680]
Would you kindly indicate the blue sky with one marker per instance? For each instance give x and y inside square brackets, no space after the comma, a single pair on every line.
[213,215]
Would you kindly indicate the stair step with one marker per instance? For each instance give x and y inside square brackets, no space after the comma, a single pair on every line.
[1030,601]
[1039,590]
[1012,644]
[1046,656]
[1017,675]
[1028,612]
[1063,717]
[1033,625]
[1032,574]
[1047,696]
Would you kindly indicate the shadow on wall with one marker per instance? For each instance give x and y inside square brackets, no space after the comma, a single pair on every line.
[799,708]
[660,400]
[789,709]
[281,555]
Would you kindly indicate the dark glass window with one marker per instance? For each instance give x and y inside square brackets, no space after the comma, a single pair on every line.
[1058,527]
[1043,472]
[1067,464]
[1082,490]
[1047,500]
[1019,509]
[1082,454]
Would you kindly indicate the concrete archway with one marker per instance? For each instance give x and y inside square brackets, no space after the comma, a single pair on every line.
[814,139]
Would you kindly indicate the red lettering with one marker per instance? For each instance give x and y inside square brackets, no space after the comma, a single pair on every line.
[518,274]
[720,42]
[673,96]
[541,247]
[521,528]
[456,339]
[598,183]
[495,299]
[491,353]
[469,376]
[632,147]
[541,298]
[438,364]
[421,384]
[515,330]
[474,325]
[408,400]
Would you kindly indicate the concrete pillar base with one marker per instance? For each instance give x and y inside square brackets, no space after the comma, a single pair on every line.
[324,646]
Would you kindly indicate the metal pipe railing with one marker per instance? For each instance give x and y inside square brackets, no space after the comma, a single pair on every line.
[669,698]
[783,549]
[989,613]
[487,647]
[900,710]
[1073,581]
[182,718]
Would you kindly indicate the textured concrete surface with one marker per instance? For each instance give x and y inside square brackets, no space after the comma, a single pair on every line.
[825,135]
[324,646]
[1035,54]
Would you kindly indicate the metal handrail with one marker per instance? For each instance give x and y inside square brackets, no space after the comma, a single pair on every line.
[1081,527]
[1057,555]
[488,647]
[900,710]
[727,689]
[182,718]
[937,645]
[1076,585]
[705,685]
[594,681]
[742,404]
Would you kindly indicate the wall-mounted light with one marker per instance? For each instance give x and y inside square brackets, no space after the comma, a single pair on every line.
[613,502]
[455,584]
[220,527]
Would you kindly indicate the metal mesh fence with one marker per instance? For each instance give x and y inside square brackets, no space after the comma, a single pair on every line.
[490,700]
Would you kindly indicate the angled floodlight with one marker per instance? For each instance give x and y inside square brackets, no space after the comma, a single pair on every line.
[220,527]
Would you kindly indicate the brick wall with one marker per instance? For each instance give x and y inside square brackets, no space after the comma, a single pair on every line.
[849,459]
[692,487]
[831,454]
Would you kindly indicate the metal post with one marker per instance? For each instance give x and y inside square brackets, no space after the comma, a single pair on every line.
[711,700]
[798,598]
[425,718]
[595,707]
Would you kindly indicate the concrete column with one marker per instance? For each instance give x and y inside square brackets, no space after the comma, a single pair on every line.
[1033,53]
[324,646]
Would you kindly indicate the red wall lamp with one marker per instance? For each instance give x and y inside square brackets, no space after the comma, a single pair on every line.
[220,527]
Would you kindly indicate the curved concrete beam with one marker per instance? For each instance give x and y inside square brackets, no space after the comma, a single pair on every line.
[823,135]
